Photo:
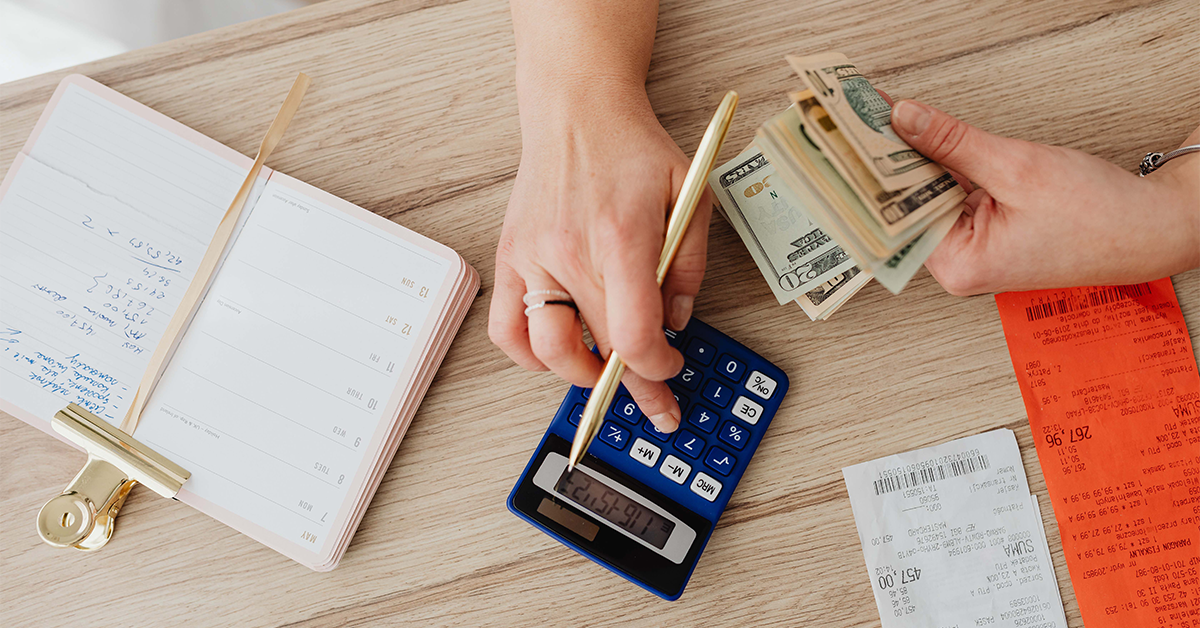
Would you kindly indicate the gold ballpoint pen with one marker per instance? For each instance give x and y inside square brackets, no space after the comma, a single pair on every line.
[677,224]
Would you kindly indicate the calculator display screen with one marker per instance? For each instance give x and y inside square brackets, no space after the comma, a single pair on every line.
[618,509]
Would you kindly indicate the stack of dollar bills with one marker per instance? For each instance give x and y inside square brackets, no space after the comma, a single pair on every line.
[829,197]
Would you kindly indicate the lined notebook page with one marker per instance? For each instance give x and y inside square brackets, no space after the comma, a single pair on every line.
[291,371]
[101,229]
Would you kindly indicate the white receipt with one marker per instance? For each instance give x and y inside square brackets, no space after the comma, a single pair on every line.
[953,539]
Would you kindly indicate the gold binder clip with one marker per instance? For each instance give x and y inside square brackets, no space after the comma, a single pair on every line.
[82,516]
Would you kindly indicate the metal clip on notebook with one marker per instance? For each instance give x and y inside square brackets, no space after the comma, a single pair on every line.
[83,515]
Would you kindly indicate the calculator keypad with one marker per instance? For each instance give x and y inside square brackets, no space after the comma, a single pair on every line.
[727,402]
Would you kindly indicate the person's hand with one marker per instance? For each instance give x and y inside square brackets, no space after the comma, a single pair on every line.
[587,216]
[1050,217]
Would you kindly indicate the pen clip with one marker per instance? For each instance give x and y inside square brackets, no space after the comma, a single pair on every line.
[84,514]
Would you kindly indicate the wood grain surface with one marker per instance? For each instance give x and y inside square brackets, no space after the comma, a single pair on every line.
[412,115]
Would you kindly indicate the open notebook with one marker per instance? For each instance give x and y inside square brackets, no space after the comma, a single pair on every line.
[294,383]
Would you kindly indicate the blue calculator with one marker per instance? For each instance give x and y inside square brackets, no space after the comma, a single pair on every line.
[644,503]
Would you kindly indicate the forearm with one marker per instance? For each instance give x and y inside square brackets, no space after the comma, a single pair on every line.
[571,52]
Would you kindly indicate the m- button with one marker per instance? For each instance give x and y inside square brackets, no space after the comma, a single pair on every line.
[675,469]
[706,486]
[644,452]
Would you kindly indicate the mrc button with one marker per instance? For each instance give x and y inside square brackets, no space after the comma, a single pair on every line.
[706,486]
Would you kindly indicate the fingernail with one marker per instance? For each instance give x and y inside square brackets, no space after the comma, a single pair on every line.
[912,117]
[681,310]
[665,422]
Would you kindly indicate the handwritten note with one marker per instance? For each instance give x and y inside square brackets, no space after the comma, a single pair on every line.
[104,223]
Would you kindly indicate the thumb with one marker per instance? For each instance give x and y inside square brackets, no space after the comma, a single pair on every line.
[687,270]
[958,146]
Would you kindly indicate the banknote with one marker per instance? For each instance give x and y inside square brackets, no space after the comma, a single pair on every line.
[821,302]
[838,208]
[895,273]
[901,214]
[865,119]
[791,252]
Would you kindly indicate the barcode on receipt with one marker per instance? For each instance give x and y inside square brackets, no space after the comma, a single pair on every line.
[925,475]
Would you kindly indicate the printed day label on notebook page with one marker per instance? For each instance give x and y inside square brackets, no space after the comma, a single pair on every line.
[1109,380]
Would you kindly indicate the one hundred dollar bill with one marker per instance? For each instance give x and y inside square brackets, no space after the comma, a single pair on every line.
[791,252]
[865,119]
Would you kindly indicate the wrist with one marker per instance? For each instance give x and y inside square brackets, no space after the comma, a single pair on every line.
[560,100]
[1179,202]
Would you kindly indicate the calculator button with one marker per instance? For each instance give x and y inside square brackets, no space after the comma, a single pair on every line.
[654,431]
[734,434]
[644,452]
[674,338]
[731,368]
[586,392]
[720,460]
[681,400]
[675,469]
[760,385]
[689,444]
[747,410]
[701,351]
[706,486]
[704,419]
[718,393]
[626,409]
[688,378]
[615,435]
[576,414]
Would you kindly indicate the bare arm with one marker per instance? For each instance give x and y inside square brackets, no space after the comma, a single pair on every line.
[587,213]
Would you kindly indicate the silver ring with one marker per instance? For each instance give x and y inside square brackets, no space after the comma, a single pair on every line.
[540,297]
[541,304]
[1154,161]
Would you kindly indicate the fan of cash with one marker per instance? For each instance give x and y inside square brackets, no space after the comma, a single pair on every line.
[828,196]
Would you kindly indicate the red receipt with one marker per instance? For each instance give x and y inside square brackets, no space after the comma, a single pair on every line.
[1110,384]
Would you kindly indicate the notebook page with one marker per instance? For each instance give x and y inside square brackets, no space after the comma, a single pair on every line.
[102,225]
[283,389]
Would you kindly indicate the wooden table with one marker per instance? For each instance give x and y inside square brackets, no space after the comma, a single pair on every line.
[412,114]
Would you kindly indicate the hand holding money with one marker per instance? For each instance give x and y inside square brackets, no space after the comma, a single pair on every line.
[1052,217]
